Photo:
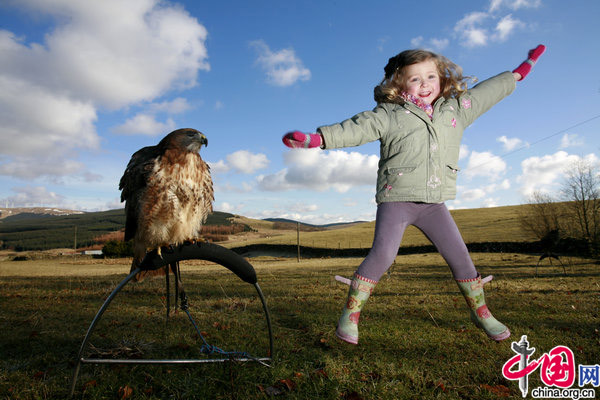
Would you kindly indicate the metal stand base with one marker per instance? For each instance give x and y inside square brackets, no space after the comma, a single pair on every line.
[215,253]
[550,256]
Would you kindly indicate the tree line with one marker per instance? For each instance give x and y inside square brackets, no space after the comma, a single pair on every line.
[569,218]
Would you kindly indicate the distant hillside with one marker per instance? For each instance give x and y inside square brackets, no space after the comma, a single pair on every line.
[31,229]
[33,232]
[479,225]
[32,212]
[325,226]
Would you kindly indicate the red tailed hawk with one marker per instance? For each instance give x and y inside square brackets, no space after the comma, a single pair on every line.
[168,193]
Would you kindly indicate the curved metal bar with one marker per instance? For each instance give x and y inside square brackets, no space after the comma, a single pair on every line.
[203,251]
[168,284]
[108,300]
[268,316]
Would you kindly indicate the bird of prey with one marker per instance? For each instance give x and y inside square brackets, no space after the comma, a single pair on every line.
[168,193]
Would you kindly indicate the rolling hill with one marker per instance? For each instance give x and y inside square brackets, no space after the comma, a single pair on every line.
[35,229]
[482,225]
[31,231]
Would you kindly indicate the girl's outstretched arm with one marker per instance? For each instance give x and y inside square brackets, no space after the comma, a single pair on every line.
[525,68]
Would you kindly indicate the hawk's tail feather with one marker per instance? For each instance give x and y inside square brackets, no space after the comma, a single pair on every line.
[149,274]
[140,276]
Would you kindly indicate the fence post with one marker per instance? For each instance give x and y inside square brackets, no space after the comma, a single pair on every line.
[298,238]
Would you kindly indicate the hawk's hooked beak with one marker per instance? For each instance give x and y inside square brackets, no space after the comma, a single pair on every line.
[203,140]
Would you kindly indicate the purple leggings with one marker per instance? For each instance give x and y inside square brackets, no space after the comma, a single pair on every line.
[434,220]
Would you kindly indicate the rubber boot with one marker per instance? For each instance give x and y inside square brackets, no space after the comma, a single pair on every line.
[360,290]
[472,289]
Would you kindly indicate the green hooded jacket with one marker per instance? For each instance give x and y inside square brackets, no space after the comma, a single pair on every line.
[418,155]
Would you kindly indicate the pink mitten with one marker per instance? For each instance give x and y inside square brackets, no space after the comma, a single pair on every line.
[532,58]
[297,139]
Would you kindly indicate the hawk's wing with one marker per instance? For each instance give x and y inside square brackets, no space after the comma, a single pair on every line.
[133,185]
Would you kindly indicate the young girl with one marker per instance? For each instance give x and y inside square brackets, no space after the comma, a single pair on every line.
[423,107]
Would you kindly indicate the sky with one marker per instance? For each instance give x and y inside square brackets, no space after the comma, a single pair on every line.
[84,84]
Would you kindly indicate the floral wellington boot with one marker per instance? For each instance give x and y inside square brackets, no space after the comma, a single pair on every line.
[472,289]
[360,290]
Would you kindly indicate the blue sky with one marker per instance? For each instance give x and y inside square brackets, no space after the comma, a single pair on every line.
[85,84]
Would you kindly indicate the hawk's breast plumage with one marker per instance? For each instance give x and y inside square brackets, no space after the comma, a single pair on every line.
[168,192]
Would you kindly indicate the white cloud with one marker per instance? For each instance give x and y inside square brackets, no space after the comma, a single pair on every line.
[434,43]
[463,152]
[515,5]
[477,28]
[318,170]
[479,193]
[283,68]
[36,121]
[495,5]
[472,19]
[224,207]
[485,164]
[505,27]
[544,173]
[472,194]
[218,167]
[241,161]
[350,202]
[480,28]
[275,182]
[51,166]
[33,196]
[175,106]
[145,124]
[417,41]
[475,37]
[504,185]
[229,208]
[509,143]
[439,44]
[570,140]
[470,30]
[245,162]
[490,202]
[243,187]
[303,208]
[109,54]
[147,49]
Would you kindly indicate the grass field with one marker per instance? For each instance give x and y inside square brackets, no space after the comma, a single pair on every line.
[416,339]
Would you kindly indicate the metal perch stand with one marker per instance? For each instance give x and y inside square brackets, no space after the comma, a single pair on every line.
[171,256]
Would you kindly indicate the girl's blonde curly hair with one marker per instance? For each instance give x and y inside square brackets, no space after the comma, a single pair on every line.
[452,82]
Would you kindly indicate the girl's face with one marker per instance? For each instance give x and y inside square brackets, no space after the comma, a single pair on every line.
[422,80]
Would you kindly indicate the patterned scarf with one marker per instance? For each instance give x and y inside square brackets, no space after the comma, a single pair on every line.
[428,108]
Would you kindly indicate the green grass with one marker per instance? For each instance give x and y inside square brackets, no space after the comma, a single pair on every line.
[416,341]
